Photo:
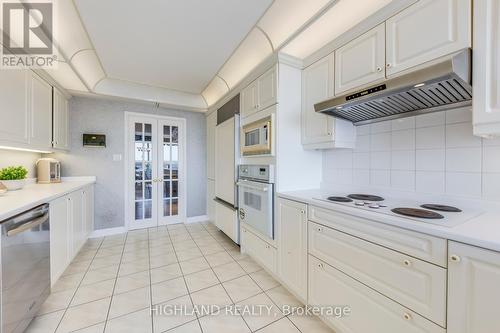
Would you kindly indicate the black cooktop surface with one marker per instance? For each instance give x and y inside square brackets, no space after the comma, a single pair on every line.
[416,212]
[442,208]
[365,197]
[339,199]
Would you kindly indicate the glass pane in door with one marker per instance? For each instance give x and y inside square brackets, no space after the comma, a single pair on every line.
[143,171]
[170,170]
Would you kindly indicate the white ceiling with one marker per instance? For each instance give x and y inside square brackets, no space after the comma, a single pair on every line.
[178,45]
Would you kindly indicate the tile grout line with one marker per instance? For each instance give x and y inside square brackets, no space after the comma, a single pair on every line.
[114,285]
[183,276]
[263,292]
[78,287]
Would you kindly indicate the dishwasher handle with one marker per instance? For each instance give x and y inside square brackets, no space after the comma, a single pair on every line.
[28,225]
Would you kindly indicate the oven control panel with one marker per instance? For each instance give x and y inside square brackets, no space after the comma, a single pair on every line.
[263,173]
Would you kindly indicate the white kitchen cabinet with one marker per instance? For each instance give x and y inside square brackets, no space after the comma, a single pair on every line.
[14,107]
[71,221]
[76,200]
[249,99]
[210,199]
[369,310]
[211,125]
[292,249]
[486,64]
[317,86]
[427,30]
[361,61]
[60,121]
[320,131]
[428,248]
[226,219]
[225,155]
[259,250]
[26,101]
[260,94]
[414,283]
[473,289]
[88,211]
[267,86]
[41,113]
[59,231]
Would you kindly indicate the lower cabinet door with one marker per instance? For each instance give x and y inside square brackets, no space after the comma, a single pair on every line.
[59,257]
[292,250]
[261,251]
[226,219]
[76,222]
[88,211]
[414,283]
[370,312]
[473,289]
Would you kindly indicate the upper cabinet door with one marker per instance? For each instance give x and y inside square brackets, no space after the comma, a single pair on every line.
[267,87]
[41,112]
[473,289]
[249,99]
[486,64]
[61,121]
[427,30]
[360,61]
[317,86]
[14,108]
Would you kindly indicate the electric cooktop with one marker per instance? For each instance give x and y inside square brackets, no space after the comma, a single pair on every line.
[426,212]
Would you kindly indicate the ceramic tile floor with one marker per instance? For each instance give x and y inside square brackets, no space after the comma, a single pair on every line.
[114,283]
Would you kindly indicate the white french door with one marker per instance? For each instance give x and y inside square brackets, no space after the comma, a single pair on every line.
[155,171]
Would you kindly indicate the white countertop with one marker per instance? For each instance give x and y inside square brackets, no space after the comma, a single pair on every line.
[482,230]
[32,195]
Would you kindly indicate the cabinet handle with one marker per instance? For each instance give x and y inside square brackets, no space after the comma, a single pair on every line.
[455,258]
[320,229]
[320,265]
[329,133]
[407,316]
[379,69]
[388,65]
[407,263]
[302,211]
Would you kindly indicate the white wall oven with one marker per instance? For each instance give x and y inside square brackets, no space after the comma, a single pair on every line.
[256,138]
[256,197]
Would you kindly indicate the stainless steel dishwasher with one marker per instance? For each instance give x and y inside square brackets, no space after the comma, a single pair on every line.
[25,265]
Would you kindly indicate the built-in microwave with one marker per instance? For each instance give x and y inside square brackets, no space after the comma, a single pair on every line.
[256,138]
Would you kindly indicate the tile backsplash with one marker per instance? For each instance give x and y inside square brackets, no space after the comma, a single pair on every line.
[433,153]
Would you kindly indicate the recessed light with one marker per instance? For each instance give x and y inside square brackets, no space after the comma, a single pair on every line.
[419,85]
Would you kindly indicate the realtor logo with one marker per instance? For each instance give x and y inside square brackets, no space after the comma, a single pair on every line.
[27,34]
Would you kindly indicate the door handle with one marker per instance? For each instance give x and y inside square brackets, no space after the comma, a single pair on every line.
[253,187]
[29,225]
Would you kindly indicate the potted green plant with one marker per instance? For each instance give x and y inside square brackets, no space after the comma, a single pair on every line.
[14,178]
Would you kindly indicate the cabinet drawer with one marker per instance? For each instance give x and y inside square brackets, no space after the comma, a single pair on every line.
[411,282]
[260,250]
[371,312]
[422,246]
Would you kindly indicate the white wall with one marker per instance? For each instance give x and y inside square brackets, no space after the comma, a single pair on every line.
[434,153]
[15,158]
[102,116]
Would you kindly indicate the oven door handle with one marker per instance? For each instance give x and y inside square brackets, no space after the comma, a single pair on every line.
[262,188]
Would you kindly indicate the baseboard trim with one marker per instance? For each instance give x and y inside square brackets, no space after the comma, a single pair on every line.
[108,232]
[195,219]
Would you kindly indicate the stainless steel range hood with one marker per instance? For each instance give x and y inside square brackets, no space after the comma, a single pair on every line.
[441,85]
